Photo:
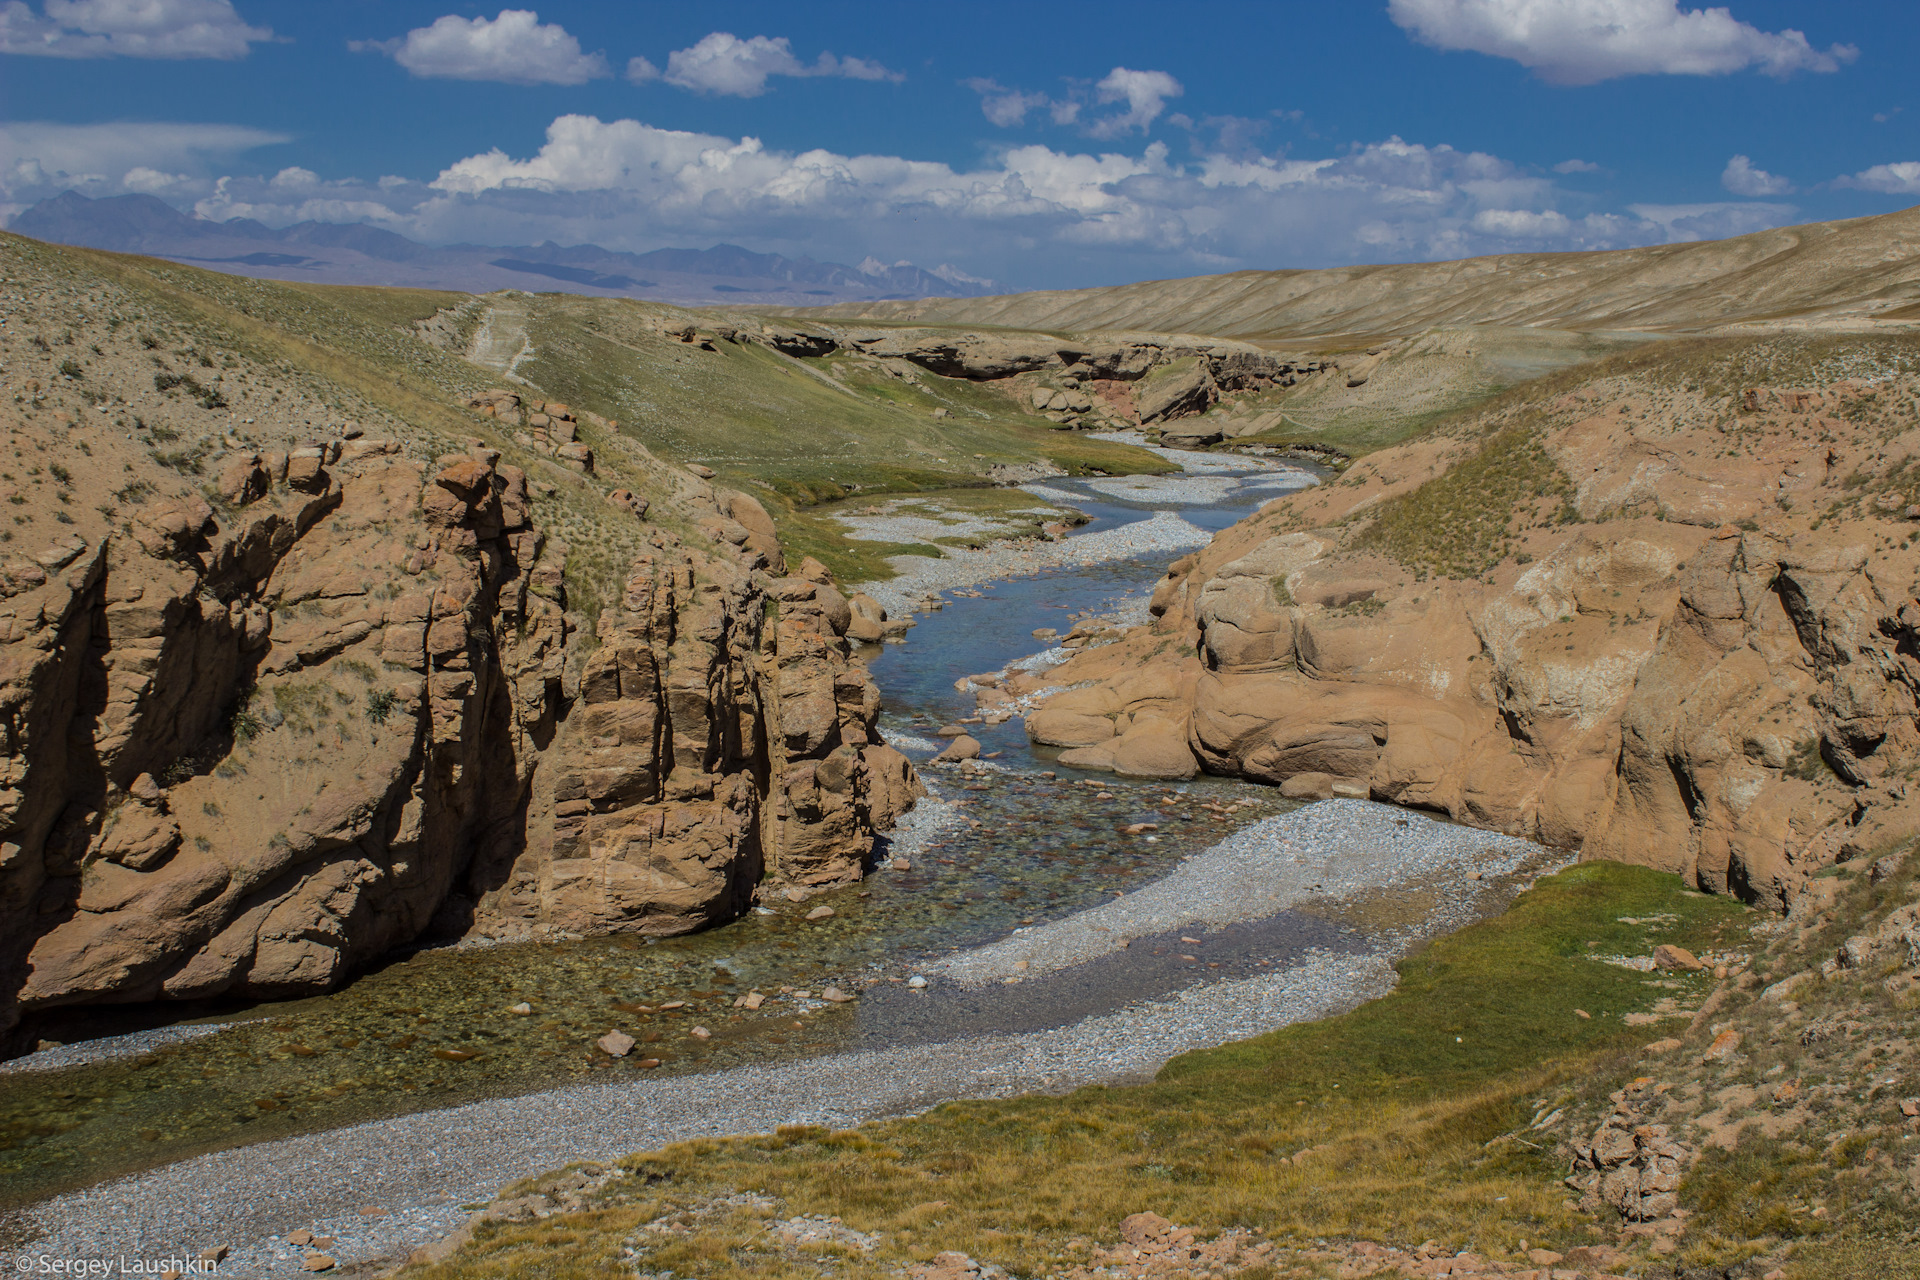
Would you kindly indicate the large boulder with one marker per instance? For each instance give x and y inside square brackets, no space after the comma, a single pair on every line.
[1154,748]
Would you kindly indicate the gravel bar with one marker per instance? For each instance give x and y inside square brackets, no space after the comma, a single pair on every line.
[921,576]
[383,1188]
[1330,849]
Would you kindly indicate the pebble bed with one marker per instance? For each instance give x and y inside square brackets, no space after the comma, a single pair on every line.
[108,1048]
[1332,849]
[383,1188]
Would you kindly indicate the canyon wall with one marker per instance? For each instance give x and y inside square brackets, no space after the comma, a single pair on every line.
[252,743]
[1634,619]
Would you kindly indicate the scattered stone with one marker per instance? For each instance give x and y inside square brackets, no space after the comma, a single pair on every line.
[1668,956]
[822,912]
[751,1000]
[300,1238]
[794,893]
[318,1262]
[617,1043]
[705,473]
[834,995]
[1664,1046]
[917,982]
[522,1009]
[701,1033]
[964,747]
[1724,1046]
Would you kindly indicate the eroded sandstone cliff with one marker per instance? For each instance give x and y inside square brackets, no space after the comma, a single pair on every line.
[283,694]
[1647,611]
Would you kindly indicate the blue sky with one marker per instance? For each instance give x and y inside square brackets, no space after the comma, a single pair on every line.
[1041,145]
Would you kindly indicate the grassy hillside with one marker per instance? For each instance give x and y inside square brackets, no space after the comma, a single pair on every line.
[1858,268]
[322,355]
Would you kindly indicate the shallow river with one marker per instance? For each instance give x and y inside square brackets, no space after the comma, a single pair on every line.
[1006,850]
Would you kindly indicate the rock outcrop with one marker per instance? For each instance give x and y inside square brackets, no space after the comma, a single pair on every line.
[279,697]
[250,751]
[1670,630]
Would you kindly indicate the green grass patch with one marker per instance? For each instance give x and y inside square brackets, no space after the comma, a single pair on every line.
[1462,523]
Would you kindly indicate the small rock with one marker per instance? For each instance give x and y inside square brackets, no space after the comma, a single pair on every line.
[951,731]
[617,1043]
[701,1033]
[318,1262]
[213,1253]
[1044,633]
[751,1000]
[963,747]
[648,1064]
[1724,1046]
[1135,828]
[1910,1107]
[1668,956]
[1582,1013]
[834,995]
[705,473]
[916,982]
[1663,1046]
[300,1237]
[795,894]
[902,864]
[822,912]
[523,1008]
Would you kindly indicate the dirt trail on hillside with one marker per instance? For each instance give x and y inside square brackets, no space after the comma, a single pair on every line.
[501,341]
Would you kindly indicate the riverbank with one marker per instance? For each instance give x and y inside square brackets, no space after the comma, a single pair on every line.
[417,1170]
[1136,517]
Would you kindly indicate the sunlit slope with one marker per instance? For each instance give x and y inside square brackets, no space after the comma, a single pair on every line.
[1854,269]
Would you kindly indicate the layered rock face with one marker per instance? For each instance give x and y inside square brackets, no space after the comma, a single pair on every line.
[1653,627]
[250,749]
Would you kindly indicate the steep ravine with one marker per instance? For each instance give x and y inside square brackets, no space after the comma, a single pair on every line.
[253,749]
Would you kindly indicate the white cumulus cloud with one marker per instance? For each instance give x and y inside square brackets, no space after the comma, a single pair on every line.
[127,29]
[1035,209]
[1741,178]
[1687,222]
[1574,42]
[1037,215]
[1902,178]
[722,63]
[1003,106]
[513,48]
[1144,92]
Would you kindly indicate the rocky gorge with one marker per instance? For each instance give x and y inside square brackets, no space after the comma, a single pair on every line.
[266,725]
[1658,610]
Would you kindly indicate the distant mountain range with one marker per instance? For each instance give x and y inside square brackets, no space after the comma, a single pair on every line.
[355,253]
